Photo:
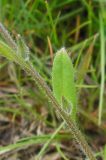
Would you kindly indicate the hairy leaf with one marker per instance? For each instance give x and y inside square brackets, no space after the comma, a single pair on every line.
[63,81]
[6,51]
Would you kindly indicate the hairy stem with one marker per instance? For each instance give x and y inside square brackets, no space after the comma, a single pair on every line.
[29,69]
[74,129]
[5,34]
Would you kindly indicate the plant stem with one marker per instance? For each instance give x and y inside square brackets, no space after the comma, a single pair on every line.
[29,69]
[5,34]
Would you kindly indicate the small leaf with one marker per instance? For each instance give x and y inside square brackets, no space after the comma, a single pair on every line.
[22,48]
[63,81]
[6,51]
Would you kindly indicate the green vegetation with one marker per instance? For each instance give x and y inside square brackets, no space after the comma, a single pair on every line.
[29,125]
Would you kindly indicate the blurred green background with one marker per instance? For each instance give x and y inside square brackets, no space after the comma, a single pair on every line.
[27,120]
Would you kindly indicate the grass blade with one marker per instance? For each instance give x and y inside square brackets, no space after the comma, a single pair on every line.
[102,67]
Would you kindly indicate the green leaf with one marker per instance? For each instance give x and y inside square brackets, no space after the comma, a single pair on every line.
[63,81]
[6,51]
[22,48]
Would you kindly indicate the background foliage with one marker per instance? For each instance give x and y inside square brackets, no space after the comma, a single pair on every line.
[27,120]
